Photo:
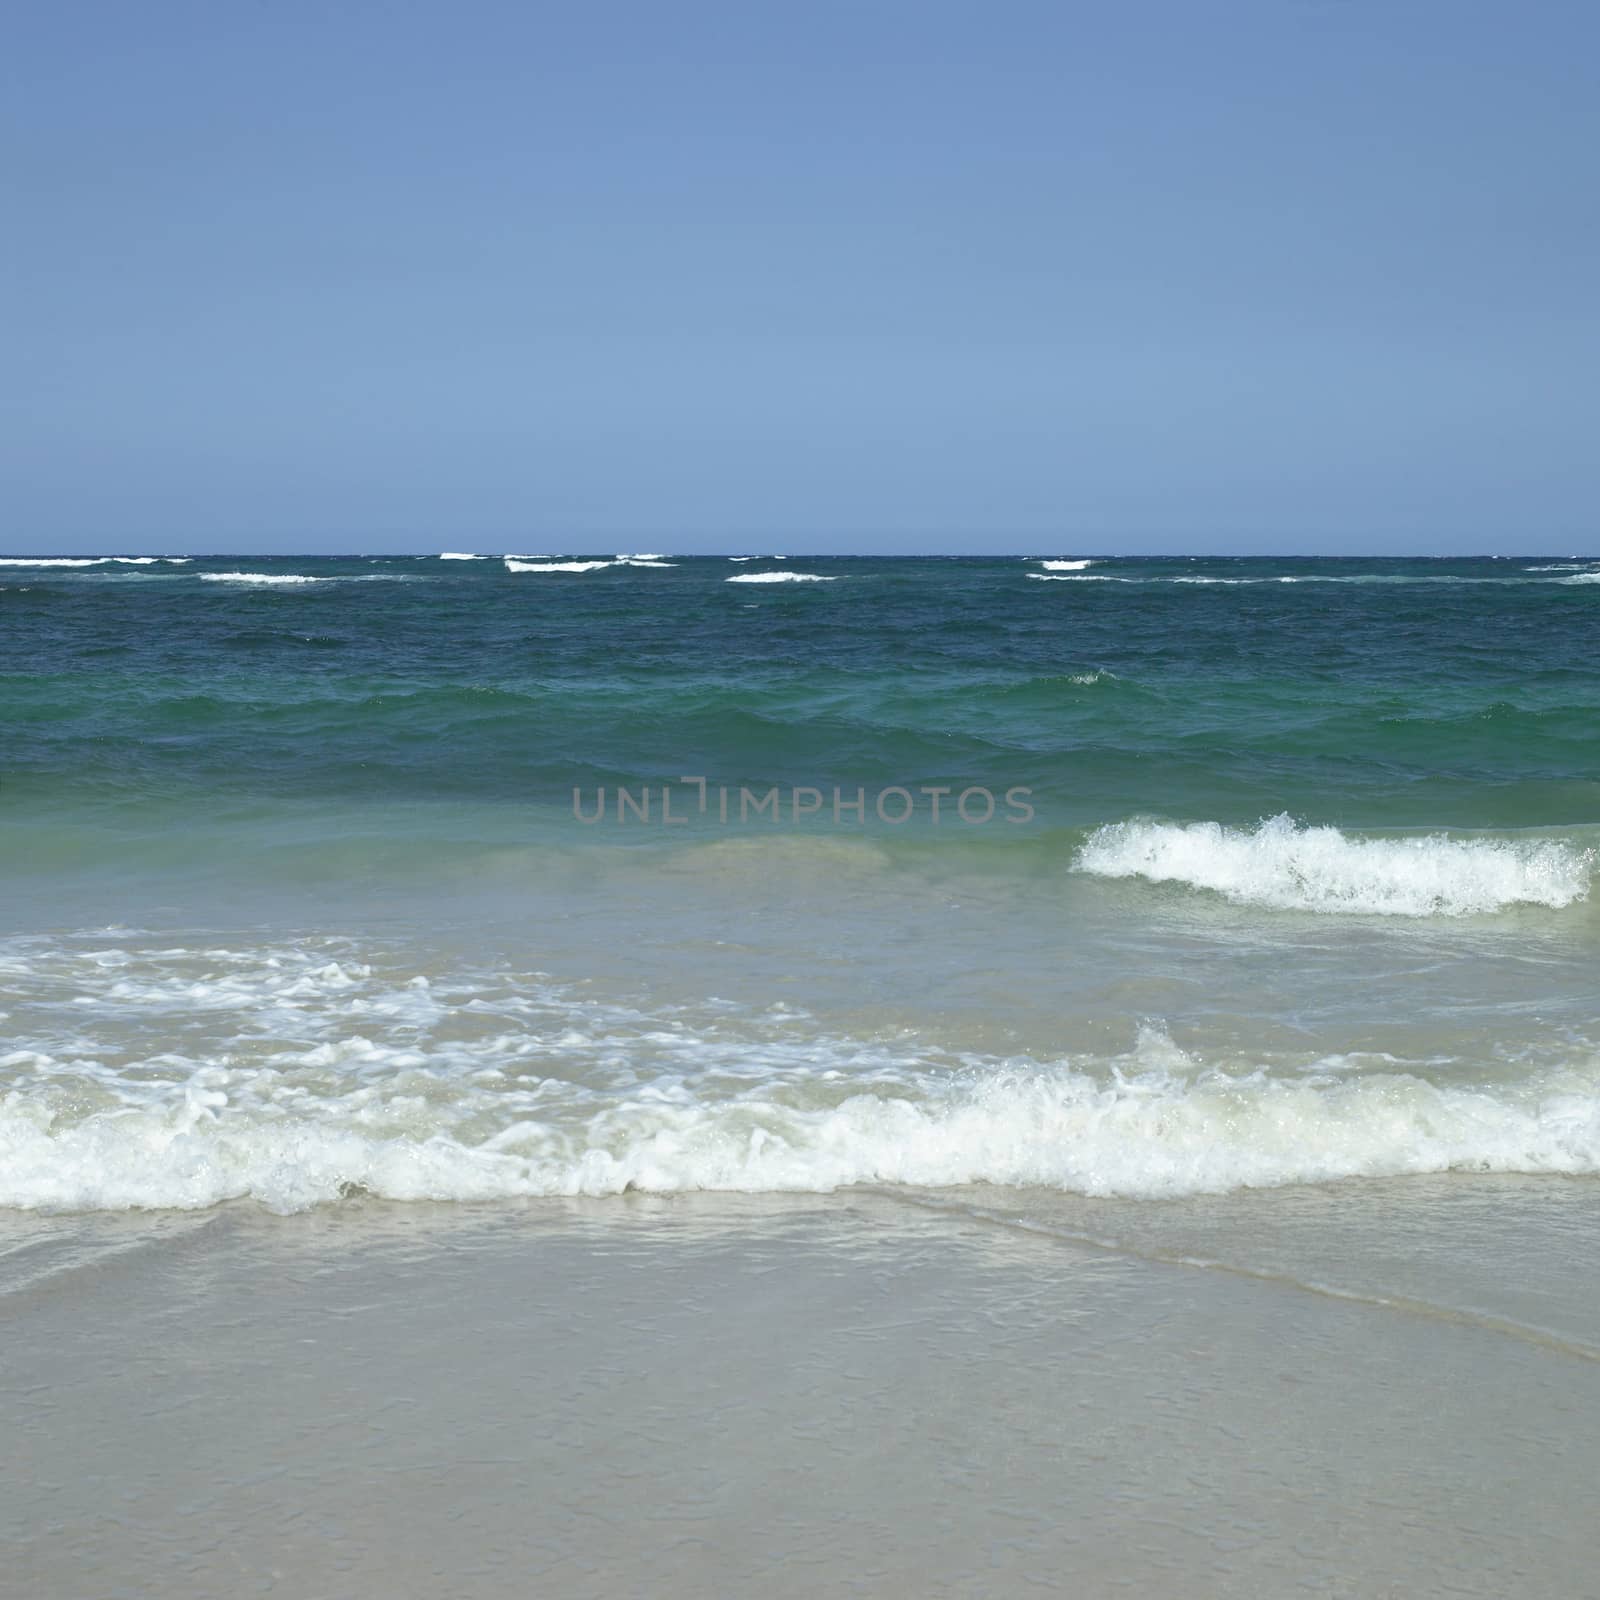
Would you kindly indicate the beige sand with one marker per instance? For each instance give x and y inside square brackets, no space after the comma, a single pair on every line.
[715,1396]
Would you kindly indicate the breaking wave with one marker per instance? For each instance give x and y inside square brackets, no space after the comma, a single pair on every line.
[94,561]
[780,577]
[1285,865]
[513,565]
[259,577]
[297,1074]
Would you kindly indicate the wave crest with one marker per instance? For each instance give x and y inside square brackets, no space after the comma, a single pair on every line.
[513,565]
[291,1074]
[779,577]
[1282,864]
[258,577]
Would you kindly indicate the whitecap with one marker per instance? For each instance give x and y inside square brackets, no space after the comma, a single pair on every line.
[513,565]
[780,577]
[1286,865]
[287,1075]
[92,561]
[258,577]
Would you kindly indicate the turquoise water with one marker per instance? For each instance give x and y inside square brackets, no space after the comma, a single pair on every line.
[1294,882]
[1362,693]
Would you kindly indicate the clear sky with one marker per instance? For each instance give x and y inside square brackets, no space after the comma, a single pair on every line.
[881,275]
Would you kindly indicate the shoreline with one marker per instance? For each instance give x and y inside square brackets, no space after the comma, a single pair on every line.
[842,1394]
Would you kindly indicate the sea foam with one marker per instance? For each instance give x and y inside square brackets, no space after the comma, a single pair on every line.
[259,577]
[295,1075]
[94,561]
[780,577]
[1285,865]
[513,565]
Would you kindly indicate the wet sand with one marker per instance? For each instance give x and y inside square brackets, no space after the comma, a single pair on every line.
[865,1394]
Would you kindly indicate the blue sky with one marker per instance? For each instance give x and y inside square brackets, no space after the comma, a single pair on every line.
[1308,276]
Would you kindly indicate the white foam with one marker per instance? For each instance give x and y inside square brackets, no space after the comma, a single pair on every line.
[513,565]
[460,555]
[258,577]
[1359,578]
[1398,578]
[780,577]
[188,1077]
[93,561]
[1065,566]
[1283,864]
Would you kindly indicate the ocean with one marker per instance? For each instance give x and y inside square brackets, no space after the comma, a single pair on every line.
[335,881]
[674,1076]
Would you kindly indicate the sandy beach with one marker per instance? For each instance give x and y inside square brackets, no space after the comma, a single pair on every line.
[800,801]
[859,1394]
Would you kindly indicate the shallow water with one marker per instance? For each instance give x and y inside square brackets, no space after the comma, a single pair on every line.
[298,908]
[682,1395]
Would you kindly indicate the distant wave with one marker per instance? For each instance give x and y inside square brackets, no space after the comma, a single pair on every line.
[1396,579]
[518,564]
[1400,578]
[780,577]
[513,565]
[259,577]
[460,555]
[93,561]
[1065,566]
[291,578]
[1285,865]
